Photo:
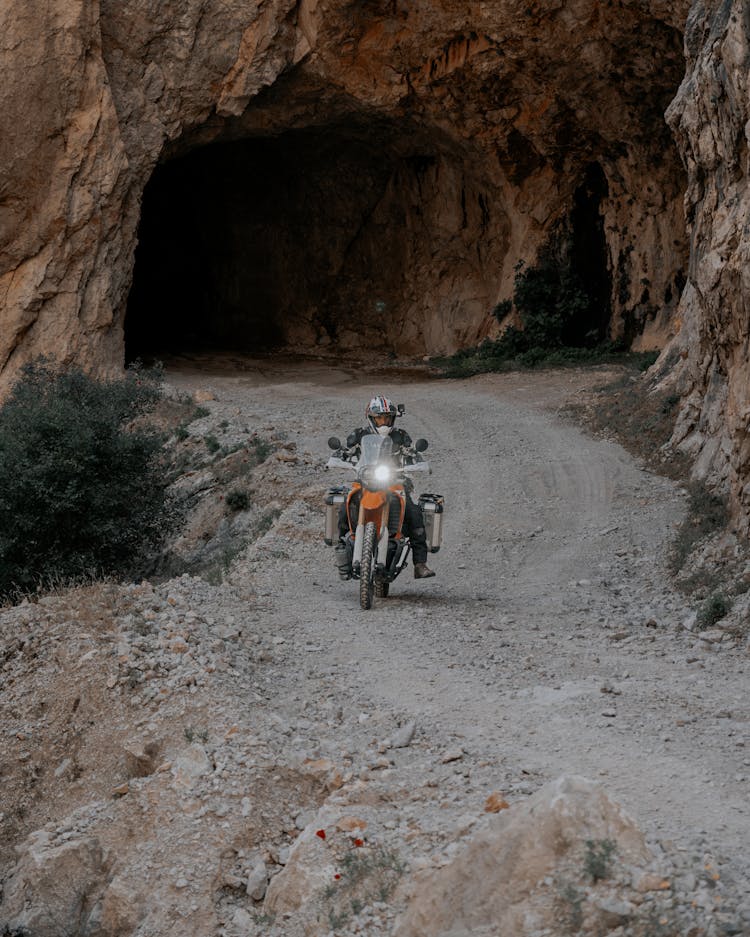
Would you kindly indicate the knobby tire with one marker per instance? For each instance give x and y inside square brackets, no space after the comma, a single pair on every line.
[367,567]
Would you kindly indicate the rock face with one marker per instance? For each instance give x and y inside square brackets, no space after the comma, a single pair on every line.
[327,174]
[709,117]
[52,888]
[510,878]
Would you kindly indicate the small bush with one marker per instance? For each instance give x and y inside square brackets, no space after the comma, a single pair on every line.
[572,900]
[365,876]
[82,491]
[212,444]
[502,309]
[237,500]
[707,514]
[716,607]
[260,448]
[554,309]
[597,859]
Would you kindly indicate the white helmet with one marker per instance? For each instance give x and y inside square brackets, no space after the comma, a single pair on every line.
[381,415]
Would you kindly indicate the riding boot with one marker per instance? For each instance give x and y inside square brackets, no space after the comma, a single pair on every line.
[422,571]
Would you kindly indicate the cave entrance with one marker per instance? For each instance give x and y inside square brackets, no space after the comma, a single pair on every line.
[241,243]
[312,240]
[589,262]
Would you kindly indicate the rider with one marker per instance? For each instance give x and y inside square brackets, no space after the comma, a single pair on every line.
[381,418]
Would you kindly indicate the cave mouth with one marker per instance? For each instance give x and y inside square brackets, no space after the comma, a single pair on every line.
[236,238]
[306,242]
[588,258]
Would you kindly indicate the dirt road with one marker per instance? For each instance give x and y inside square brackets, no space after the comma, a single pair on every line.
[550,641]
[208,754]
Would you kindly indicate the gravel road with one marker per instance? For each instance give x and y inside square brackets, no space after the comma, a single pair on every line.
[176,749]
[550,640]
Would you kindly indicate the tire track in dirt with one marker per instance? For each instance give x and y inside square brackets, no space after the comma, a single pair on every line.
[553,562]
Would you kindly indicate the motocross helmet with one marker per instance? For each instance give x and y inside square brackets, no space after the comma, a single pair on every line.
[381,415]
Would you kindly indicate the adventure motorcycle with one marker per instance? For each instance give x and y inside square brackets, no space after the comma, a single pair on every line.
[375,506]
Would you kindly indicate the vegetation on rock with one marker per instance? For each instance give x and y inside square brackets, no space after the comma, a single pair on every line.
[553,307]
[82,490]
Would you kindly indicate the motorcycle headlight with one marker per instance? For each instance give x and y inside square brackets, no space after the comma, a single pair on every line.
[382,473]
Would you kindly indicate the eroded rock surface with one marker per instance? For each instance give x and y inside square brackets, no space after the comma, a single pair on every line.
[447,141]
[497,885]
[710,117]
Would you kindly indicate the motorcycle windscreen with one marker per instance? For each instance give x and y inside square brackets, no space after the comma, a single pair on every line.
[376,449]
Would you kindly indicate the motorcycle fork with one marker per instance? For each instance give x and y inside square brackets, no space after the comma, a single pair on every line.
[372,507]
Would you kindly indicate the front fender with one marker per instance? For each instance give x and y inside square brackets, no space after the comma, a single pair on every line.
[373,500]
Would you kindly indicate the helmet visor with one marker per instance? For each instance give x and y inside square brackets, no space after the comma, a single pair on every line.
[383,419]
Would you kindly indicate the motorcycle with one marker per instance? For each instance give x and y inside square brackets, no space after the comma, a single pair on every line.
[375,507]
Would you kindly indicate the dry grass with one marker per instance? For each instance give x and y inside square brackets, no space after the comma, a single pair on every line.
[642,422]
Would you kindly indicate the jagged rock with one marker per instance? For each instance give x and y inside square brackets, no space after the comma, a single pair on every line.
[707,361]
[140,757]
[447,141]
[122,908]
[189,766]
[403,736]
[310,867]
[496,882]
[257,881]
[54,885]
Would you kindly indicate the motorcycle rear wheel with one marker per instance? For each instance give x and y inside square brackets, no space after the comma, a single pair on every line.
[367,567]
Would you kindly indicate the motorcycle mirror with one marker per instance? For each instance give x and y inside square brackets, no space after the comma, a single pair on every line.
[334,442]
[401,409]
[420,445]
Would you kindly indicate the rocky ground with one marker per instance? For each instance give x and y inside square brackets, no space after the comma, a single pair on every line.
[253,754]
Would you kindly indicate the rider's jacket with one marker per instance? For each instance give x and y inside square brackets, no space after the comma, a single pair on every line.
[401,439]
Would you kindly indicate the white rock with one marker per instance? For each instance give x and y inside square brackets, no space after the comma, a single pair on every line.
[257,882]
[189,766]
[63,767]
[402,737]
[242,920]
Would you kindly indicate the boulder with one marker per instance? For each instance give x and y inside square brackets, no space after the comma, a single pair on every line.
[311,866]
[54,885]
[501,880]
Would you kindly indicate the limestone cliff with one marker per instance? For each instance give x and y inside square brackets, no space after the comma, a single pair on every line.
[709,117]
[372,171]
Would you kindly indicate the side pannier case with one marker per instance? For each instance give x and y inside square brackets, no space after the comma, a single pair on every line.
[432,511]
[335,497]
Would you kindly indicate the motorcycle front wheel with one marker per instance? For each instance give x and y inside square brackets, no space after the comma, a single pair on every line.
[367,567]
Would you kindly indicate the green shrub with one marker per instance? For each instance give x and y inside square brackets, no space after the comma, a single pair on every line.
[260,449]
[647,358]
[554,308]
[212,444]
[502,309]
[82,492]
[237,500]
[713,609]
[549,298]
[597,860]
[707,514]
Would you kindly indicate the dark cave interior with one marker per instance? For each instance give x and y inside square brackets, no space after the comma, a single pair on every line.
[283,242]
[238,240]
